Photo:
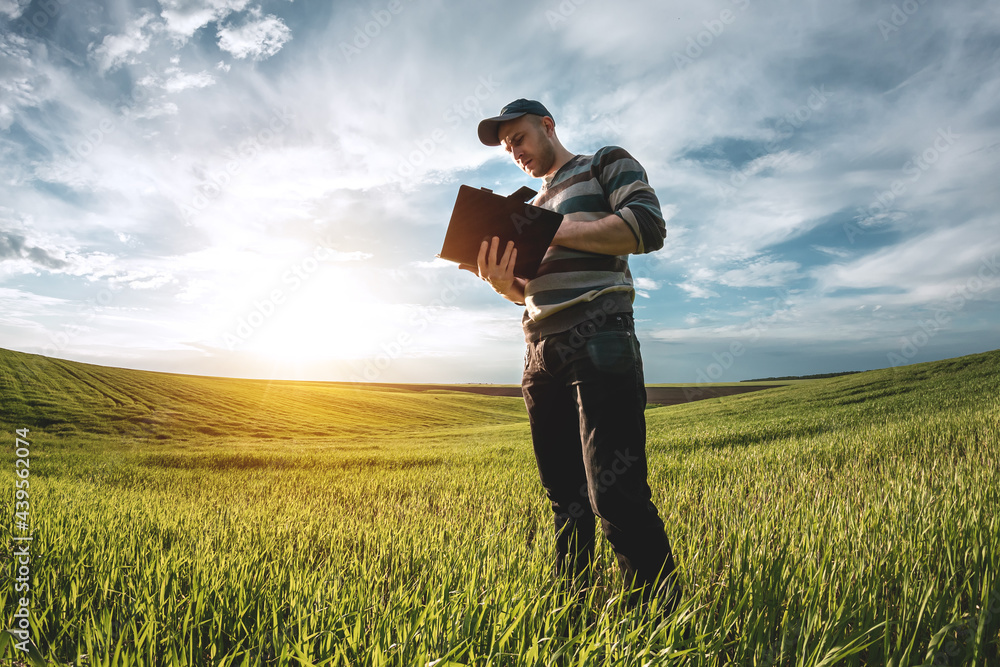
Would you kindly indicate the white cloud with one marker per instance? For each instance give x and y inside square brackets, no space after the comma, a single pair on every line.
[258,37]
[13,8]
[17,92]
[436,263]
[355,256]
[143,279]
[194,289]
[179,81]
[20,78]
[697,291]
[831,251]
[646,284]
[921,269]
[19,309]
[760,273]
[157,110]
[116,50]
[184,17]
[333,167]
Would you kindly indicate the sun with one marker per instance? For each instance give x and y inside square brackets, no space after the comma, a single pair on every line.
[320,321]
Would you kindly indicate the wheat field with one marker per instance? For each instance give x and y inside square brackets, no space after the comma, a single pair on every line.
[181,520]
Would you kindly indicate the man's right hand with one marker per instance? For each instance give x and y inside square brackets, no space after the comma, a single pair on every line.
[499,274]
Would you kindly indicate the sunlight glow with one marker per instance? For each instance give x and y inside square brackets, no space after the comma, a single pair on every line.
[330,317]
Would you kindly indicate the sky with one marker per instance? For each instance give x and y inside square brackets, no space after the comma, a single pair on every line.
[259,189]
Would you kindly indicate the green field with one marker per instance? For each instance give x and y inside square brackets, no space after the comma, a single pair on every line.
[188,520]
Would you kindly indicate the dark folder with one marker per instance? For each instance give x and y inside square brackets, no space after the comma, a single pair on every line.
[479,215]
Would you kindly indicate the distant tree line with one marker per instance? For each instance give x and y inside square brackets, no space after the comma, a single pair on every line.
[805,377]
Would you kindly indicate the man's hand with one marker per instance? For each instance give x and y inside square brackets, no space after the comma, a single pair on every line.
[499,274]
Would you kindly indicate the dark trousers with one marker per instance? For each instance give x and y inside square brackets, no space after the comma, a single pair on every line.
[585,395]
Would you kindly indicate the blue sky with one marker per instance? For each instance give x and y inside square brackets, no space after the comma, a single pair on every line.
[258,189]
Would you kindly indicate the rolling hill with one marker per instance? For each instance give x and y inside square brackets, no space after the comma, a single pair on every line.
[189,520]
[67,398]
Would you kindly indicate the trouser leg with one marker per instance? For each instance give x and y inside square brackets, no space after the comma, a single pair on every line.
[555,435]
[611,398]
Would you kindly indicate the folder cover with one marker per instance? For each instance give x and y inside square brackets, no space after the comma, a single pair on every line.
[479,215]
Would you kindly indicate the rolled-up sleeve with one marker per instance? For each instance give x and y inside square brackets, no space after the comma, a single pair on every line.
[631,197]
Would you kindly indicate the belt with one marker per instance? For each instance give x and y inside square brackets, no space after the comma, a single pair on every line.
[611,322]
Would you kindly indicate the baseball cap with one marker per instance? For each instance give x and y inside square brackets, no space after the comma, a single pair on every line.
[489,128]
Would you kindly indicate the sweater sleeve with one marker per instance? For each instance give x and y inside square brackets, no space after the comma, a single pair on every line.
[631,197]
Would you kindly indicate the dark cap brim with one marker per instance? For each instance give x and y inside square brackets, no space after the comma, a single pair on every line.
[489,129]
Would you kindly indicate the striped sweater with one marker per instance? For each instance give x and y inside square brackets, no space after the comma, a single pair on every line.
[569,282]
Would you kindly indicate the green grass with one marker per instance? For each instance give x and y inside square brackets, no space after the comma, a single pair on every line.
[186,520]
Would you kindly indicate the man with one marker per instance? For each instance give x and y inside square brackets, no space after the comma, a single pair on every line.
[583,382]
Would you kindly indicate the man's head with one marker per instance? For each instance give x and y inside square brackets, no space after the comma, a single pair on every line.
[526,130]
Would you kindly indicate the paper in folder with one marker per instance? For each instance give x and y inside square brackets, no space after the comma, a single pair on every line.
[479,215]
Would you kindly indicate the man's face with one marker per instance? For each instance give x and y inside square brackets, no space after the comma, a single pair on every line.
[527,140]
